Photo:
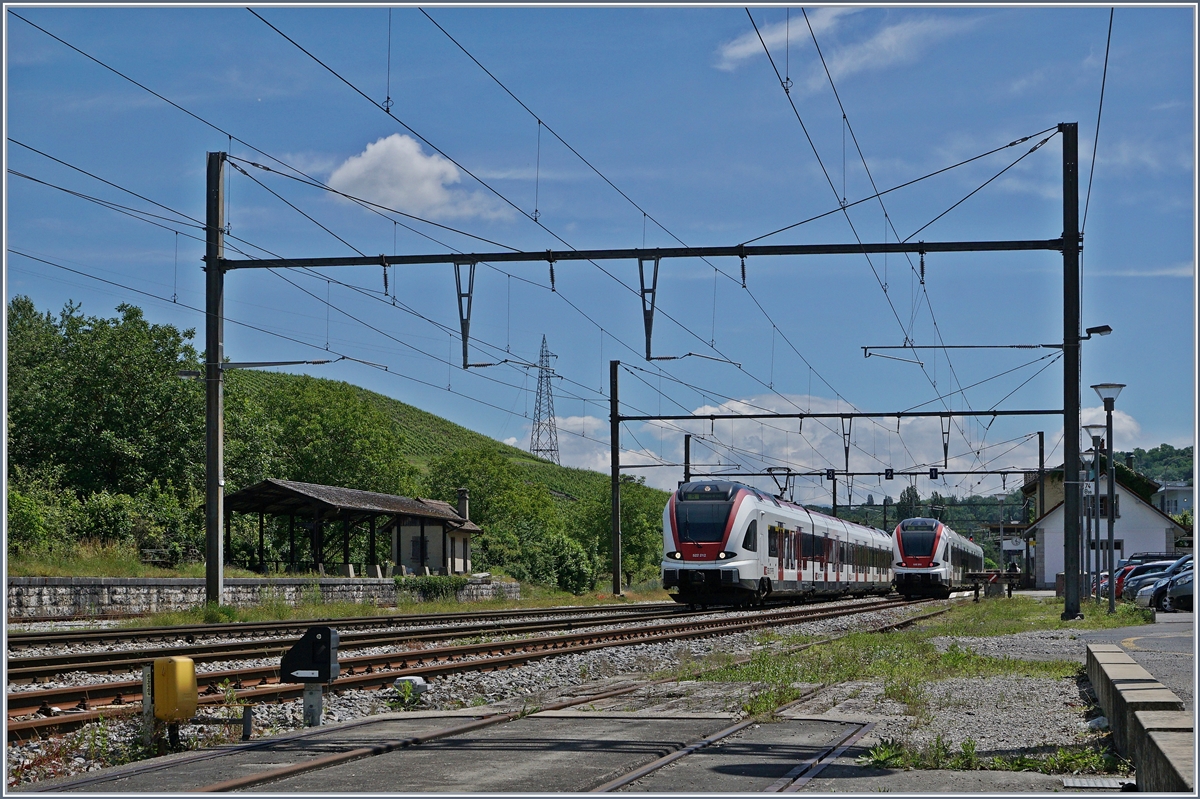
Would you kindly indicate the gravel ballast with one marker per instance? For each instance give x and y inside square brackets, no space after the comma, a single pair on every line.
[1001,714]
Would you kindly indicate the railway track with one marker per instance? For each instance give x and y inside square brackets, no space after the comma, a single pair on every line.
[44,668]
[190,633]
[252,685]
[791,781]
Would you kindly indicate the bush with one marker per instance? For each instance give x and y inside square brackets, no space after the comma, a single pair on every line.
[431,587]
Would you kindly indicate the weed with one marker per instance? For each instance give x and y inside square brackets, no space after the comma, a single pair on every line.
[406,698]
[1091,759]
[888,753]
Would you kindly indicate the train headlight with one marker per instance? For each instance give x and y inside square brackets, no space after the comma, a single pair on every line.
[726,555]
[675,555]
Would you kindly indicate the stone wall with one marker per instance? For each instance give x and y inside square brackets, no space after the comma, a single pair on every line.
[63,597]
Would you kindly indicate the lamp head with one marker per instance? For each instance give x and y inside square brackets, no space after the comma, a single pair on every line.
[1108,391]
[1096,431]
[1102,330]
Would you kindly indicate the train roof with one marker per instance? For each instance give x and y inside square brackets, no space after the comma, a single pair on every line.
[729,488]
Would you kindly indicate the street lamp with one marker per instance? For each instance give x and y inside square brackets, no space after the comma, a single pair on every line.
[1109,393]
[1096,431]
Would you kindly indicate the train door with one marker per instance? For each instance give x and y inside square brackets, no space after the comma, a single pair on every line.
[781,542]
[773,554]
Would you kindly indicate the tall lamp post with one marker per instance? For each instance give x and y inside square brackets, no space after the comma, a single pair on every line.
[1096,431]
[1109,392]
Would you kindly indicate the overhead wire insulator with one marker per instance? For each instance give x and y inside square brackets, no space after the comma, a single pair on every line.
[922,269]
[552,288]
[384,264]
[743,271]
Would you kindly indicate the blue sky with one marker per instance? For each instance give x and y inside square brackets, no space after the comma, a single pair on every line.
[681,111]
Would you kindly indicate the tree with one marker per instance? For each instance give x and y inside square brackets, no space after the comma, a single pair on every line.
[523,531]
[909,504]
[102,399]
[325,433]
[641,528]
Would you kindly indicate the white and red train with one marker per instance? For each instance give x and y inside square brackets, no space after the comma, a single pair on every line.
[930,559]
[729,543]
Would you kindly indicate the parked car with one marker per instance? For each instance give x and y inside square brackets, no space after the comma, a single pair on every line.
[1153,594]
[1107,583]
[1179,593]
[1138,570]
[1182,564]
[1135,580]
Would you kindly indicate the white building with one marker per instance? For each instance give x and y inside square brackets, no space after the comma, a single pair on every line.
[1174,498]
[1138,527]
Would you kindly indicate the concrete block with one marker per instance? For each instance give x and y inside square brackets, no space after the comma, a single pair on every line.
[346,570]
[1146,721]
[1129,700]
[1168,762]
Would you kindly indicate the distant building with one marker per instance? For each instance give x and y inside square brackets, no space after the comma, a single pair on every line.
[1174,498]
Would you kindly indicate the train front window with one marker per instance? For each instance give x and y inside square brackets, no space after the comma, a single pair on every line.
[701,521]
[917,543]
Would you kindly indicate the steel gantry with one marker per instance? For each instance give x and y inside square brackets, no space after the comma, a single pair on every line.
[216,265]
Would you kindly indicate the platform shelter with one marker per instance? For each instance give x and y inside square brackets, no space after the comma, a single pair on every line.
[418,534]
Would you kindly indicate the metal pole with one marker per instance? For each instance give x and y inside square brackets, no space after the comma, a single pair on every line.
[614,434]
[835,497]
[1071,486]
[1041,474]
[1109,404]
[1097,442]
[687,458]
[214,354]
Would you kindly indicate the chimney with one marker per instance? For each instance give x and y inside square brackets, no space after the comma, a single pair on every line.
[464,503]
[1129,461]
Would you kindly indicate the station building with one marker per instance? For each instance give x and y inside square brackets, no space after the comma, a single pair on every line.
[1138,526]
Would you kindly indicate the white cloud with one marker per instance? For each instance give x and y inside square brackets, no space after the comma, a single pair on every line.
[732,54]
[1127,433]
[511,441]
[395,172]
[1185,269]
[894,44]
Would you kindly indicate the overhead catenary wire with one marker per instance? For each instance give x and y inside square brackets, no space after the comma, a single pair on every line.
[269,156]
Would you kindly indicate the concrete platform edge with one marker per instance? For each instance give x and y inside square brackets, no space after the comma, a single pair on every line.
[1149,723]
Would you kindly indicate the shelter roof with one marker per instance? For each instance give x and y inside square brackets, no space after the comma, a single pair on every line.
[288,497]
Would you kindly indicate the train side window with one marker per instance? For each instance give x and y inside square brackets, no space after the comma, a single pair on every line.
[772,543]
[750,542]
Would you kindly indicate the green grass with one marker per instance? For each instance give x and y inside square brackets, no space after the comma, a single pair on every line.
[109,560]
[1023,613]
[1091,758]
[311,607]
[906,661]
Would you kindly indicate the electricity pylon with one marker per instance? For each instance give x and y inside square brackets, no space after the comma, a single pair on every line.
[544,440]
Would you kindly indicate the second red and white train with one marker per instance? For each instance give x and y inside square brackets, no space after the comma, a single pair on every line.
[727,543]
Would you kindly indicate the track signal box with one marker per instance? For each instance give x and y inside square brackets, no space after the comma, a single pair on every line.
[314,658]
[175,691]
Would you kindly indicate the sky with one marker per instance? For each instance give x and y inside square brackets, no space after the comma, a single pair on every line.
[597,128]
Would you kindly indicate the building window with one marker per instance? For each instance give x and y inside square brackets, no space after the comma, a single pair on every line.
[1104,506]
